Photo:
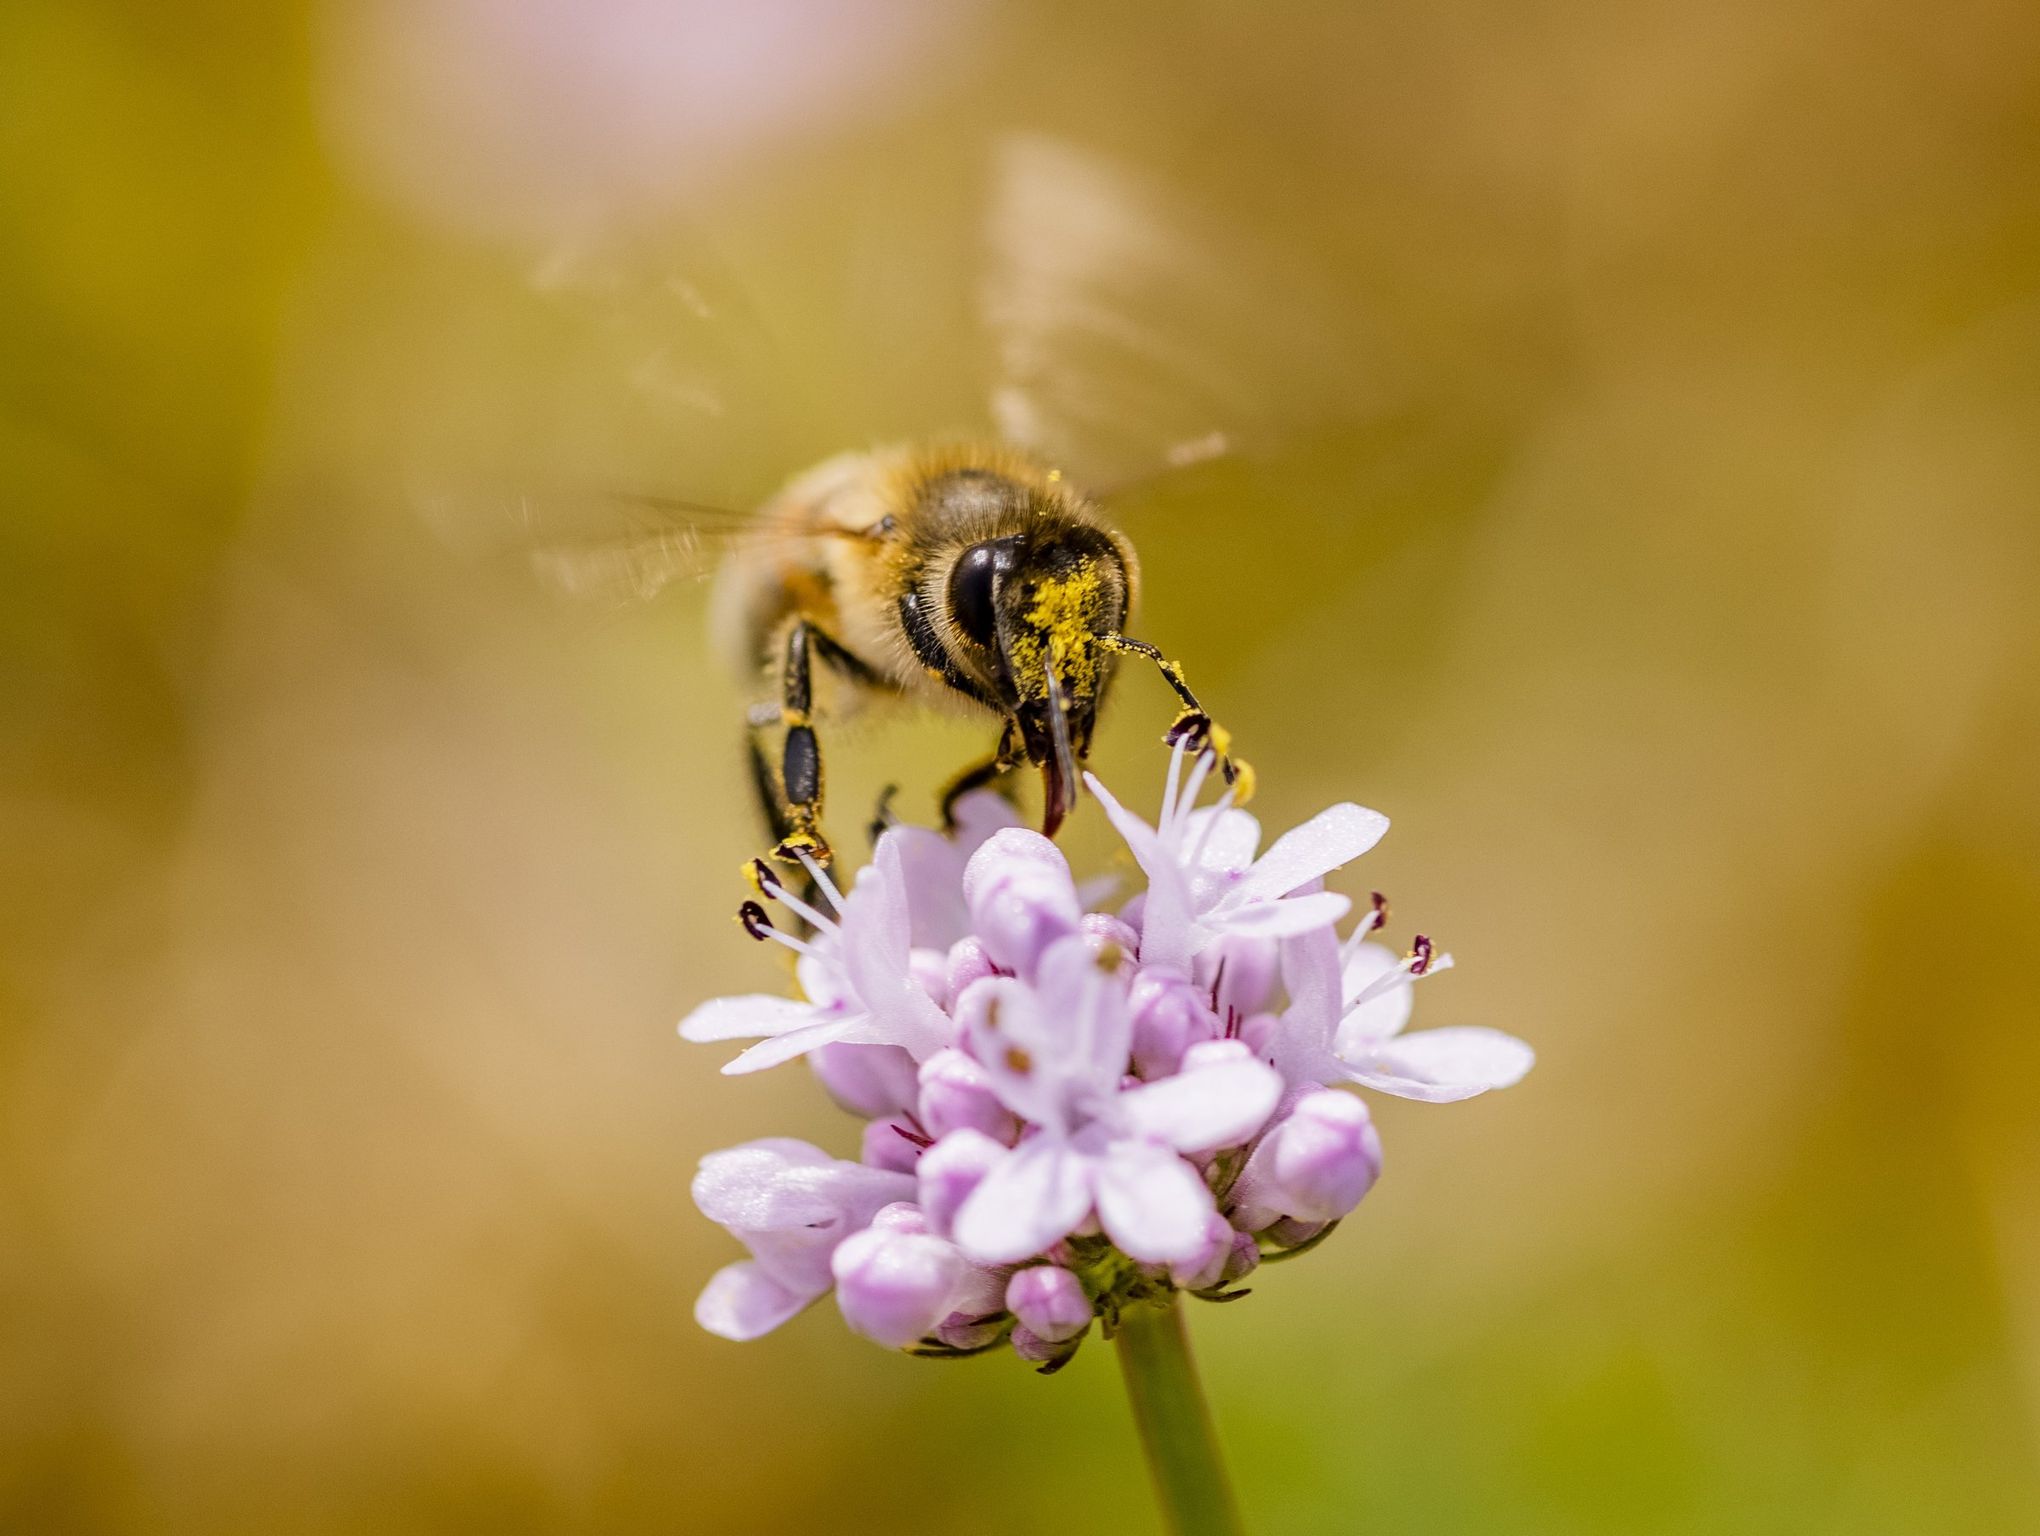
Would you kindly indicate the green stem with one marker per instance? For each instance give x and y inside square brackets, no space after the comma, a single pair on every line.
[1175,1426]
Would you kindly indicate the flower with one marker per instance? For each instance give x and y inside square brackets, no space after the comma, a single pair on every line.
[855,972]
[897,1280]
[790,1204]
[1064,1111]
[1204,882]
[1348,1007]
[1315,1164]
[1056,1054]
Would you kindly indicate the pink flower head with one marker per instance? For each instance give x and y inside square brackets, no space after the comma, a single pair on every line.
[1067,1111]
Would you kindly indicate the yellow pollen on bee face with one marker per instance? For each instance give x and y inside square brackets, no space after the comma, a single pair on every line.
[1061,627]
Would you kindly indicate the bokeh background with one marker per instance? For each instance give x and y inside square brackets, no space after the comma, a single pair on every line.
[1658,549]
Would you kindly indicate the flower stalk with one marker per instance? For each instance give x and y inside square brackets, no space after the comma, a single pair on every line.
[1176,1432]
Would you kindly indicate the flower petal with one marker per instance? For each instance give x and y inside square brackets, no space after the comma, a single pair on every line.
[1037,1195]
[1224,839]
[1204,1107]
[1165,913]
[1440,1066]
[742,1302]
[745,1018]
[1151,1203]
[1281,919]
[795,1042]
[1329,839]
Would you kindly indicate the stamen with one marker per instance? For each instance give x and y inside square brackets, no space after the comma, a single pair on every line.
[823,883]
[806,913]
[1375,919]
[1420,955]
[1169,786]
[759,926]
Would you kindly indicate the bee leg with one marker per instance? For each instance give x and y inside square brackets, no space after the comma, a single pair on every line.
[978,775]
[795,808]
[1193,723]
[799,806]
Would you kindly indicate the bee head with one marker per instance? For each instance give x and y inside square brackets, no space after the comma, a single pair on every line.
[1037,607]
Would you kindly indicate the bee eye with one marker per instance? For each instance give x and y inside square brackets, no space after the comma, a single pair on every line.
[971,581]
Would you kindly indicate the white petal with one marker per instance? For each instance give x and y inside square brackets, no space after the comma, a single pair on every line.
[742,1302]
[1329,839]
[1439,1066]
[1283,919]
[1205,1107]
[1225,840]
[795,1042]
[1165,914]
[1036,1196]
[745,1018]
[1151,1203]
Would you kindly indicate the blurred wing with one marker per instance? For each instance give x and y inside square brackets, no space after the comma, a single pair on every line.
[630,427]
[1129,335]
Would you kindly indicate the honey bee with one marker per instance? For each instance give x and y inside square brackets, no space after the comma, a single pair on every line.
[961,576]
[971,575]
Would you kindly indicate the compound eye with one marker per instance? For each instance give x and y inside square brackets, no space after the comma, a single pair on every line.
[971,581]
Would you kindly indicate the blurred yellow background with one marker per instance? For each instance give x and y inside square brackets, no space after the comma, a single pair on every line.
[1668,575]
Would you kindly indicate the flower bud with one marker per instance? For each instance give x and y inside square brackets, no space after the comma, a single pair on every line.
[1021,897]
[951,1170]
[1049,1302]
[1169,1015]
[894,1286]
[868,1080]
[1102,928]
[956,1093]
[1207,1268]
[885,1146]
[967,963]
[1049,1354]
[1315,1165]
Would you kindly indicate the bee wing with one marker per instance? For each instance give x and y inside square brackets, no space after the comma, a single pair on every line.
[1130,334]
[631,361]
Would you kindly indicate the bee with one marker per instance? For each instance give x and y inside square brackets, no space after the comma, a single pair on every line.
[963,576]
[971,575]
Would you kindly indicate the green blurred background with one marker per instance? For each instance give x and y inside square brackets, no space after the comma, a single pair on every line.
[1662,560]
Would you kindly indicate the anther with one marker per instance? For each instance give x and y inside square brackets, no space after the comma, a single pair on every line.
[763,881]
[755,922]
[1420,955]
